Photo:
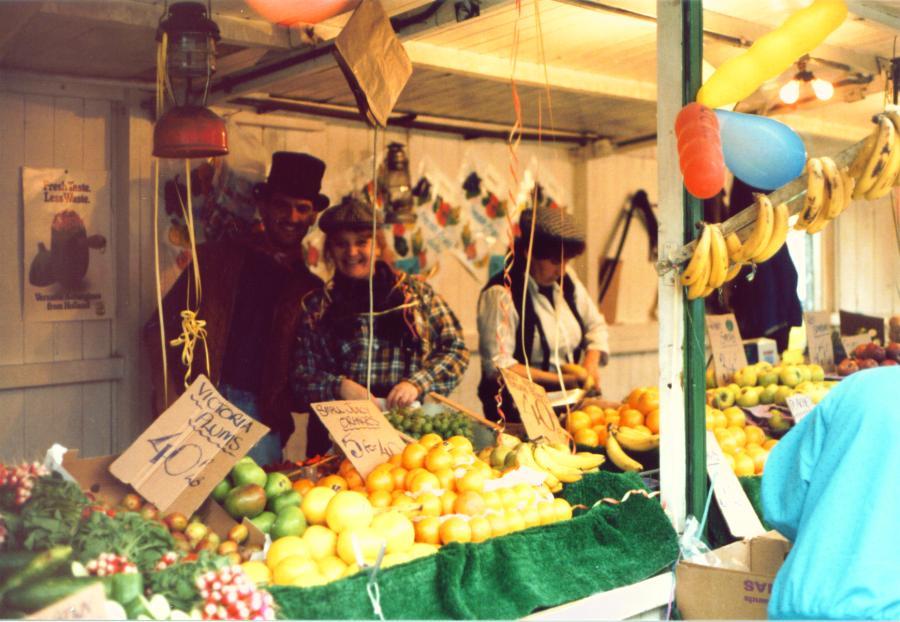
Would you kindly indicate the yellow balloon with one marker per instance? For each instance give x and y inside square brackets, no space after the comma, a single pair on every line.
[772,53]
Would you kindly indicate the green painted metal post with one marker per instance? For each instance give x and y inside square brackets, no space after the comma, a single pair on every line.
[694,316]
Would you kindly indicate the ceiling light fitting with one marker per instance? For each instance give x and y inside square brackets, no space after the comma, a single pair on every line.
[790,92]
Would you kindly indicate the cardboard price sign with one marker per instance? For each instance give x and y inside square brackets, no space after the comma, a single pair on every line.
[851,342]
[189,449]
[800,405]
[86,604]
[361,431]
[730,496]
[534,408]
[818,339]
[726,345]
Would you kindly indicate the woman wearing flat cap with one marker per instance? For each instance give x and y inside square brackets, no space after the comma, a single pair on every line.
[418,342]
[561,322]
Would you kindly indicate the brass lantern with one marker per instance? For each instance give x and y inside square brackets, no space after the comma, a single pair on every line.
[189,129]
[396,186]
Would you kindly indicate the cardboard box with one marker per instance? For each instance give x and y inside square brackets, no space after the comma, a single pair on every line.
[761,349]
[739,587]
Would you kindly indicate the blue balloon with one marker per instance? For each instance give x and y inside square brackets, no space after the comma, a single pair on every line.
[760,151]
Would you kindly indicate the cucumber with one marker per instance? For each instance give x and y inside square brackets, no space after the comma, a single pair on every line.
[124,588]
[43,565]
[13,561]
[39,594]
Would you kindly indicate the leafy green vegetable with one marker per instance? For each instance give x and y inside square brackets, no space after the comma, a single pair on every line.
[127,533]
[178,582]
[51,516]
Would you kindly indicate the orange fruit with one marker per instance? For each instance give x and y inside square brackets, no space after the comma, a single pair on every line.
[398,474]
[424,480]
[735,416]
[546,512]
[335,482]
[759,461]
[649,401]
[613,417]
[721,420]
[380,498]
[354,479]
[461,457]
[455,529]
[508,498]
[634,397]
[469,503]
[562,508]
[578,420]
[380,479]
[303,485]
[472,480]
[491,500]
[431,504]
[602,434]
[652,421]
[531,516]
[728,444]
[412,473]
[447,479]
[396,459]
[346,465]
[414,456]
[430,440]
[631,418]
[514,520]
[447,501]
[721,434]
[438,458]
[499,527]
[739,435]
[461,442]
[596,413]
[480,528]
[744,465]
[587,436]
[755,434]
[405,503]
[428,530]
[769,444]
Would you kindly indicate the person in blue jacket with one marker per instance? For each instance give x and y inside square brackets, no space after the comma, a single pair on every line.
[832,487]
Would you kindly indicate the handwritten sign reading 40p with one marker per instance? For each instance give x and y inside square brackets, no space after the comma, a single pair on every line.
[726,346]
[189,449]
[360,429]
[534,408]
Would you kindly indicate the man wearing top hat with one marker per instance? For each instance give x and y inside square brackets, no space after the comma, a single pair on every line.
[251,291]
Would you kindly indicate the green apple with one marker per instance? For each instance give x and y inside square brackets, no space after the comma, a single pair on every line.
[264,521]
[805,386]
[248,473]
[291,497]
[735,389]
[498,456]
[723,399]
[763,366]
[277,483]
[790,376]
[818,374]
[748,398]
[778,423]
[289,522]
[768,394]
[792,357]
[805,372]
[221,490]
[782,394]
[766,378]
[745,377]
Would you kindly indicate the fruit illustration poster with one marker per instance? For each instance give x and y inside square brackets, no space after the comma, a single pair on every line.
[68,269]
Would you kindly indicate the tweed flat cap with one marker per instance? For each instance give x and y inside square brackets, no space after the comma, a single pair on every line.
[553,223]
[351,214]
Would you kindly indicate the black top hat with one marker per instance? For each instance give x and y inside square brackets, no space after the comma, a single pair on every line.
[297,175]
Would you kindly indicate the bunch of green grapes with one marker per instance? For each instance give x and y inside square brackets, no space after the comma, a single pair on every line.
[415,423]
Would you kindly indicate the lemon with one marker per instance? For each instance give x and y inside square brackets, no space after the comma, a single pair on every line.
[393,559]
[563,509]
[257,572]
[332,567]
[421,549]
[315,503]
[348,509]
[282,548]
[310,579]
[321,541]
[396,530]
[291,568]
[362,539]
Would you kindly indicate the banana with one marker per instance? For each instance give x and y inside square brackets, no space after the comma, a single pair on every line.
[762,228]
[779,233]
[821,219]
[733,244]
[574,368]
[815,194]
[563,473]
[699,263]
[849,184]
[885,180]
[618,456]
[583,460]
[865,152]
[884,143]
[718,258]
[699,289]
[835,186]
[636,440]
[525,458]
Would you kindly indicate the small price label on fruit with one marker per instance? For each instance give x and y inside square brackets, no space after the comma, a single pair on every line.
[534,408]
[800,405]
[736,508]
[726,346]
[818,339]
[361,431]
[189,449]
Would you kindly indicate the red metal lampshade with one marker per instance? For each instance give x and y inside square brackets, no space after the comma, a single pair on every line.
[189,132]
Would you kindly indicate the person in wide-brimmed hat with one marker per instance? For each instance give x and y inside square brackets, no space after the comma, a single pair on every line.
[561,323]
[418,344]
[251,293]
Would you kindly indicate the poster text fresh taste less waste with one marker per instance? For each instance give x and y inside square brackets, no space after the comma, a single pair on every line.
[189,449]
[361,431]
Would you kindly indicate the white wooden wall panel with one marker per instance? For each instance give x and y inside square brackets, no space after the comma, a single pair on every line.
[12,422]
[12,153]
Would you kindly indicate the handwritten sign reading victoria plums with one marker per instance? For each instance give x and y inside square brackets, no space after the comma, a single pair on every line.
[726,346]
[361,431]
[189,449]
[534,408]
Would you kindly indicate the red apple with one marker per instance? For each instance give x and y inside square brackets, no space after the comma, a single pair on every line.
[893,351]
[238,533]
[859,352]
[867,363]
[226,547]
[196,531]
[132,502]
[176,521]
[887,362]
[847,367]
[150,511]
[874,352]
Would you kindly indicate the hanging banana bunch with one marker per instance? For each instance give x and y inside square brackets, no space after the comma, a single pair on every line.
[829,191]
[877,165]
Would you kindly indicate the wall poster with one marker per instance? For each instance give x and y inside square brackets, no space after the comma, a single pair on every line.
[68,269]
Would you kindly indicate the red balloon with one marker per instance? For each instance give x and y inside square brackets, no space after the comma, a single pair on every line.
[290,12]
[700,151]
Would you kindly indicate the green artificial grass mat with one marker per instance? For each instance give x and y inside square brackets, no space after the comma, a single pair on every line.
[508,577]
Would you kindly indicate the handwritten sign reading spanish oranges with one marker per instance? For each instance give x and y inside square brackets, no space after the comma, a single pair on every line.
[534,408]
[361,431]
[189,449]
